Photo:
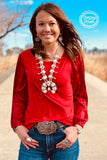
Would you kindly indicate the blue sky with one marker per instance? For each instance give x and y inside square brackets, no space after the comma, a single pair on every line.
[92,37]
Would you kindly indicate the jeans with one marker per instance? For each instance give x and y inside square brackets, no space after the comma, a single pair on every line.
[47,147]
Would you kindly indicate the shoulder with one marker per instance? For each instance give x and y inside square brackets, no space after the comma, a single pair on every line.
[24,56]
[25,53]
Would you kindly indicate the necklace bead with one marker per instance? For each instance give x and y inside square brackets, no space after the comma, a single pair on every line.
[54,61]
[50,76]
[53,84]
[44,91]
[53,91]
[53,66]
[48,84]
[44,77]
[44,84]
[41,62]
[52,71]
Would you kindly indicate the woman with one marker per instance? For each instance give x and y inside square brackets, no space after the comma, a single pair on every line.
[49,106]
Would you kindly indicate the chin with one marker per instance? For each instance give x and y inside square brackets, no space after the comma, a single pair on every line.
[48,42]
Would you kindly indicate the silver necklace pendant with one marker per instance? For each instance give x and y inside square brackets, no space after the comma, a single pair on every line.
[48,84]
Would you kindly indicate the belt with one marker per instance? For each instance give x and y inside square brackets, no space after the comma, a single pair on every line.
[48,127]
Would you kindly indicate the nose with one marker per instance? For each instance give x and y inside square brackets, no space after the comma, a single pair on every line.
[47,28]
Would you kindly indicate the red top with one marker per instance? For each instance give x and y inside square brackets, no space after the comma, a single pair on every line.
[30,105]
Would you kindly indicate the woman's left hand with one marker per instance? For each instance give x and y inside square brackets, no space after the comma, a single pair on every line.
[71,136]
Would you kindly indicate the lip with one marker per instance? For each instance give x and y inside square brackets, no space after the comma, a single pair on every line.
[47,35]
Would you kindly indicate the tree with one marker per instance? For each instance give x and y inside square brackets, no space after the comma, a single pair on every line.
[17,50]
[9,52]
[1,46]
[11,19]
[95,50]
[14,50]
[28,46]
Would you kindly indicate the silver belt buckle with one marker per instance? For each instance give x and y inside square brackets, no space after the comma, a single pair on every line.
[46,127]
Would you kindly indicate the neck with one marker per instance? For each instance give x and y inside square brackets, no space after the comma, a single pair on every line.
[51,49]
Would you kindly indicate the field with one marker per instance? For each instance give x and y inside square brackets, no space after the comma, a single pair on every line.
[97,65]
[7,62]
[94,64]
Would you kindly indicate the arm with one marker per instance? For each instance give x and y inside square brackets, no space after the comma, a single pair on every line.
[80,104]
[20,95]
[19,104]
[79,93]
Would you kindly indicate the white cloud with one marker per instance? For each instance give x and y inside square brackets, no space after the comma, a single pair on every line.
[28,2]
[15,39]
[16,34]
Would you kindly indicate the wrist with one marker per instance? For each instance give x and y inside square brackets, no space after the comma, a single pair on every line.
[16,128]
[79,129]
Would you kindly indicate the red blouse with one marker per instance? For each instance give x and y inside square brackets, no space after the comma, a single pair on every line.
[30,105]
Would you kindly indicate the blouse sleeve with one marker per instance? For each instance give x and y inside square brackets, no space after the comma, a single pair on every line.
[79,93]
[20,96]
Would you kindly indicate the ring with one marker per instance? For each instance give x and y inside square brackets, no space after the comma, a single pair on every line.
[28,139]
[66,141]
[63,143]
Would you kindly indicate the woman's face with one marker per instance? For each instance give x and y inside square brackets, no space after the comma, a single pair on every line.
[47,28]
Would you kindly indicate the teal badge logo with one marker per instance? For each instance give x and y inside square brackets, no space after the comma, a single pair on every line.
[89,19]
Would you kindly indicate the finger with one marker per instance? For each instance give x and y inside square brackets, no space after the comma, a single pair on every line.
[31,145]
[62,143]
[31,140]
[64,146]
[34,141]
[26,146]
[35,144]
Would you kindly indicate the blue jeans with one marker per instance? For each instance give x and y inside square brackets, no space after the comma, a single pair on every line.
[47,147]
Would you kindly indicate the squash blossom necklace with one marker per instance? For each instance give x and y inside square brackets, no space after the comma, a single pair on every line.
[48,84]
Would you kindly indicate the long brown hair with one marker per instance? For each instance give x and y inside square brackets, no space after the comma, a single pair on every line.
[71,40]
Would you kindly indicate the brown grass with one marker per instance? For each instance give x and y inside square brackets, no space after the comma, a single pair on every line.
[97,65]
[7,62]
[94,64]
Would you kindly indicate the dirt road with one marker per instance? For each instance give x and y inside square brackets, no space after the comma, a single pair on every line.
[93,140]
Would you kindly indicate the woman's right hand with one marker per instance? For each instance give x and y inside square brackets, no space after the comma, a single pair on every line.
[22,133]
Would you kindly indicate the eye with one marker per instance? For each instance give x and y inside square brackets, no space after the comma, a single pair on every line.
[52,23]
[40,24]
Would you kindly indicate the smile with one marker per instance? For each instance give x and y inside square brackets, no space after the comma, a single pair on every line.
[47,35]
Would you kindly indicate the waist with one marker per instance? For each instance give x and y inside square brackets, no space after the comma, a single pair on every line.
[49,127]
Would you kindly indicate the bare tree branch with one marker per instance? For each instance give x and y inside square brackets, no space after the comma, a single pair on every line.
[12,29]
[11,19]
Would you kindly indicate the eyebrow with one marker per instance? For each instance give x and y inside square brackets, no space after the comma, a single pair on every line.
[49,21]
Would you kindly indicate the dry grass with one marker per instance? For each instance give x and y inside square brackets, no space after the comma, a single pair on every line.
[7,62]
[96,65]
